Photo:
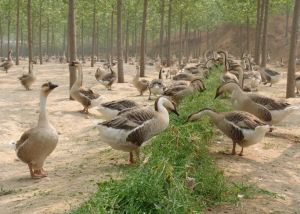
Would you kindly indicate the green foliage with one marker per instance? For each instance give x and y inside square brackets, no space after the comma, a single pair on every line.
[160,184]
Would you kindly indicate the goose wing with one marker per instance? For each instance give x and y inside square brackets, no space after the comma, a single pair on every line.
[174,90]
[269,103]
[271,72]
[244,120]
[119,105]
[297,78]
[23,138]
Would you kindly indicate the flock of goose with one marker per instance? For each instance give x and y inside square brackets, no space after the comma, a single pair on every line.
[128,126]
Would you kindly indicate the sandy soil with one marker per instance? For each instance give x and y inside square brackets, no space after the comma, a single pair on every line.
[81,159]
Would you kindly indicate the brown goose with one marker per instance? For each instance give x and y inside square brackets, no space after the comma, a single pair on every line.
[108,79]
[177,93]
[271,76]
[129,131]
[7,64]
[87,98]
[99,73]
[36,144]
[265,108]
[243,128]
[156,86]
[141,85]
[28,79]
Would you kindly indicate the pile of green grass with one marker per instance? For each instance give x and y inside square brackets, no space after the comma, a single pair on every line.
[160,184]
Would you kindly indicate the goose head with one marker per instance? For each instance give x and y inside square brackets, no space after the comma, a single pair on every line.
[197,115]
[47,88]
[227,87]
[165,102]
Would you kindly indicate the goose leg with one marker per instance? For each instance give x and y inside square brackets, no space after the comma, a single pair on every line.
[233,148]
[270,84]
[241,153]
[30,170]
[149,95]
[137,153]
[39,173]
[131,158]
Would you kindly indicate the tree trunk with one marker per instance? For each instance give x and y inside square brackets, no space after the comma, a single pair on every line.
[72,41]
[142,57]
[207,39]
[290,87]
[97,42]
[94,35]
[68,43]
[22,42]
[180,37]
[64,42]
[264,36]
[40,34]
[8,30]
[127,38]
[287,23]
[52,41]
[111,35]
[186,31]
[17,33]
[119,42]
[1,39]
[161,33]
[259,15]
[248,35]
[82,48]
[48,35]
[29,24]
[169,34]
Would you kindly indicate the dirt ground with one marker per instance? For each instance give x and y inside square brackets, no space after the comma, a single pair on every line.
[81,159]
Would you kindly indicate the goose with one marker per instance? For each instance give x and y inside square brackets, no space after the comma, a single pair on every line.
[28,79]
[8,63]
[129,131]
[111,109]
[87,98]
[297,84]
[183,76]
[267,109]
[227,76]
[243,128]
[99,73]
[255,78]
[281,63]
[108,79]
[177,93]
[36,144]
[271,76]
[156,86]
[141,85]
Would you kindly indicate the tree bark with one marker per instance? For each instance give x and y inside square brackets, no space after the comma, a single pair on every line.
[48,35]
[161,33]
[264,37]
[259,16]
[119,42]
[8,30]
[169,34]
[1,39]
[82,48]
[72,41]
[142,57]
[29,25]
[52,40]
[64,42]
[111,35]
[207,39]
[127,38]
[290,87]
[248,35]
[40,34]
[287,23]
[22,42]
[180,37]
[94,35]
[186,32]
[97,42]
[17,33]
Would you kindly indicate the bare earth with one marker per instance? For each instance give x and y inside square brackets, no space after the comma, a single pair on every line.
[81,159]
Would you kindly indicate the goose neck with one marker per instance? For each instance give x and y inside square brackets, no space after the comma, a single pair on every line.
[159,107]
[43,120]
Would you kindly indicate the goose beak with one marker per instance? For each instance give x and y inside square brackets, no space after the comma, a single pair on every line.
[52,86]
[175,112]
[217,94]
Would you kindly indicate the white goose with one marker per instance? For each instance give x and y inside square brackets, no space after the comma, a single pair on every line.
[128,131]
